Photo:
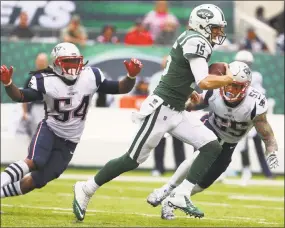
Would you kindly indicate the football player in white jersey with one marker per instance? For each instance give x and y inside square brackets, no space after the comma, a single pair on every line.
[66,87]
[257,79]
[235,109]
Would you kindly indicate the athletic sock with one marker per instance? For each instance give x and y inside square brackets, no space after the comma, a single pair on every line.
[181,173]
[12,189]
[14,172]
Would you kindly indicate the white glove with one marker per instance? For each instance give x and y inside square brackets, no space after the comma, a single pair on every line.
[272,160]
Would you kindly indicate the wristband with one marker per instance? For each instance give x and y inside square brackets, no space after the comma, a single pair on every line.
[131,77]
[8,83]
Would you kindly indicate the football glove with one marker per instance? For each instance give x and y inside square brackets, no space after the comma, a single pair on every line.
[272,160]
[133,67]
[6,75]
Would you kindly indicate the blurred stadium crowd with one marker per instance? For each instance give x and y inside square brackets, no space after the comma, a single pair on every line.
[157,26]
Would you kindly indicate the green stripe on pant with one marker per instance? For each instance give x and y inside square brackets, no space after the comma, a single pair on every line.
[143,134]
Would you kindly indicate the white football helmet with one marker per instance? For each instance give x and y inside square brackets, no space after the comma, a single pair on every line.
[205,18]
[67,60]
[244,56]
[242,78]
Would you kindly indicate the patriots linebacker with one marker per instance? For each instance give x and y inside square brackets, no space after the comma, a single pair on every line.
[66,87]
[235,109]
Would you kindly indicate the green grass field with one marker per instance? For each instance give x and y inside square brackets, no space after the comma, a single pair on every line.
[123,203]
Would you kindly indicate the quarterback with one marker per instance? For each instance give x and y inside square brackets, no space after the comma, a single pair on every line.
[234,110]
[66,87]
[164,111]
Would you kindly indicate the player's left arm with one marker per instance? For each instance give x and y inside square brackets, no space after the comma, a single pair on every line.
[16,94]
[126,84]
[266,133]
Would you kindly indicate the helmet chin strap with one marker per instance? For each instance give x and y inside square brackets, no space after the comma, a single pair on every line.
[231,99]
[70,77]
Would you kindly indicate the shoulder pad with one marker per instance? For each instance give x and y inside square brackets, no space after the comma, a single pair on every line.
[196,45]
[37,83]
[259,100]
[99,76]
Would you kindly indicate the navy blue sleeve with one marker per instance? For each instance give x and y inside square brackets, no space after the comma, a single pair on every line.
[30,94]
[40,83]
[209,93]
[109,87]
[98,77]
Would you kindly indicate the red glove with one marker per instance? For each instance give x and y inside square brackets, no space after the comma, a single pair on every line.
[6,75]
[133,67]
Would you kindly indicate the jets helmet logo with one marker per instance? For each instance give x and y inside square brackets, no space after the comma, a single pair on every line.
[205,14]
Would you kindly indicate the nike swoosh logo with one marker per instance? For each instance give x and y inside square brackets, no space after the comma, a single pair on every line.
[79,209]
[71,152]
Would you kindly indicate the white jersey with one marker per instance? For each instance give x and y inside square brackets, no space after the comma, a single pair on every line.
[66,106]
[231,124]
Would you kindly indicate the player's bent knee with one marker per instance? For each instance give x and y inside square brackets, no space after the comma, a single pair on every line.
[30,163]
[41,179]
[128,162]
[39,163]
[211,147]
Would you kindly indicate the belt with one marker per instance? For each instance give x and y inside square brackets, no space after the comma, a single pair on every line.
[170,106]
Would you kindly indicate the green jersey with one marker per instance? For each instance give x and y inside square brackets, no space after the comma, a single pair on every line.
[178,81]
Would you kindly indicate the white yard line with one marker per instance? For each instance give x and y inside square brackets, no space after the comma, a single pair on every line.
[198,202]
[165,179]
[257,198]
[206,192]
[69,211]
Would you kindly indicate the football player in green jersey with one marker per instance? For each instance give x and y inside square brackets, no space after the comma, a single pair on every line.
[163,111]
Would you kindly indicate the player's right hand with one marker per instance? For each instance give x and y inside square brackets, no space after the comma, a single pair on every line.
[6,74]
[133,67]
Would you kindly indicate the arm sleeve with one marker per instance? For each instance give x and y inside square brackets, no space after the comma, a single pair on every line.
[99,76]
[30,94]
[199,68]
[109,87]
[206,96]
[104,85]
[35,89]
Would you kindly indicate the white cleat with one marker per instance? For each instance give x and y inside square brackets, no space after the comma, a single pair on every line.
[80,200]
[167,212]
[182,202]
[158,195]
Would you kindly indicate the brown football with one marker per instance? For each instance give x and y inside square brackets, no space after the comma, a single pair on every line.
[217,69]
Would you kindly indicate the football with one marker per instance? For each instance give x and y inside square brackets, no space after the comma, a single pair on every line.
[217,69]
